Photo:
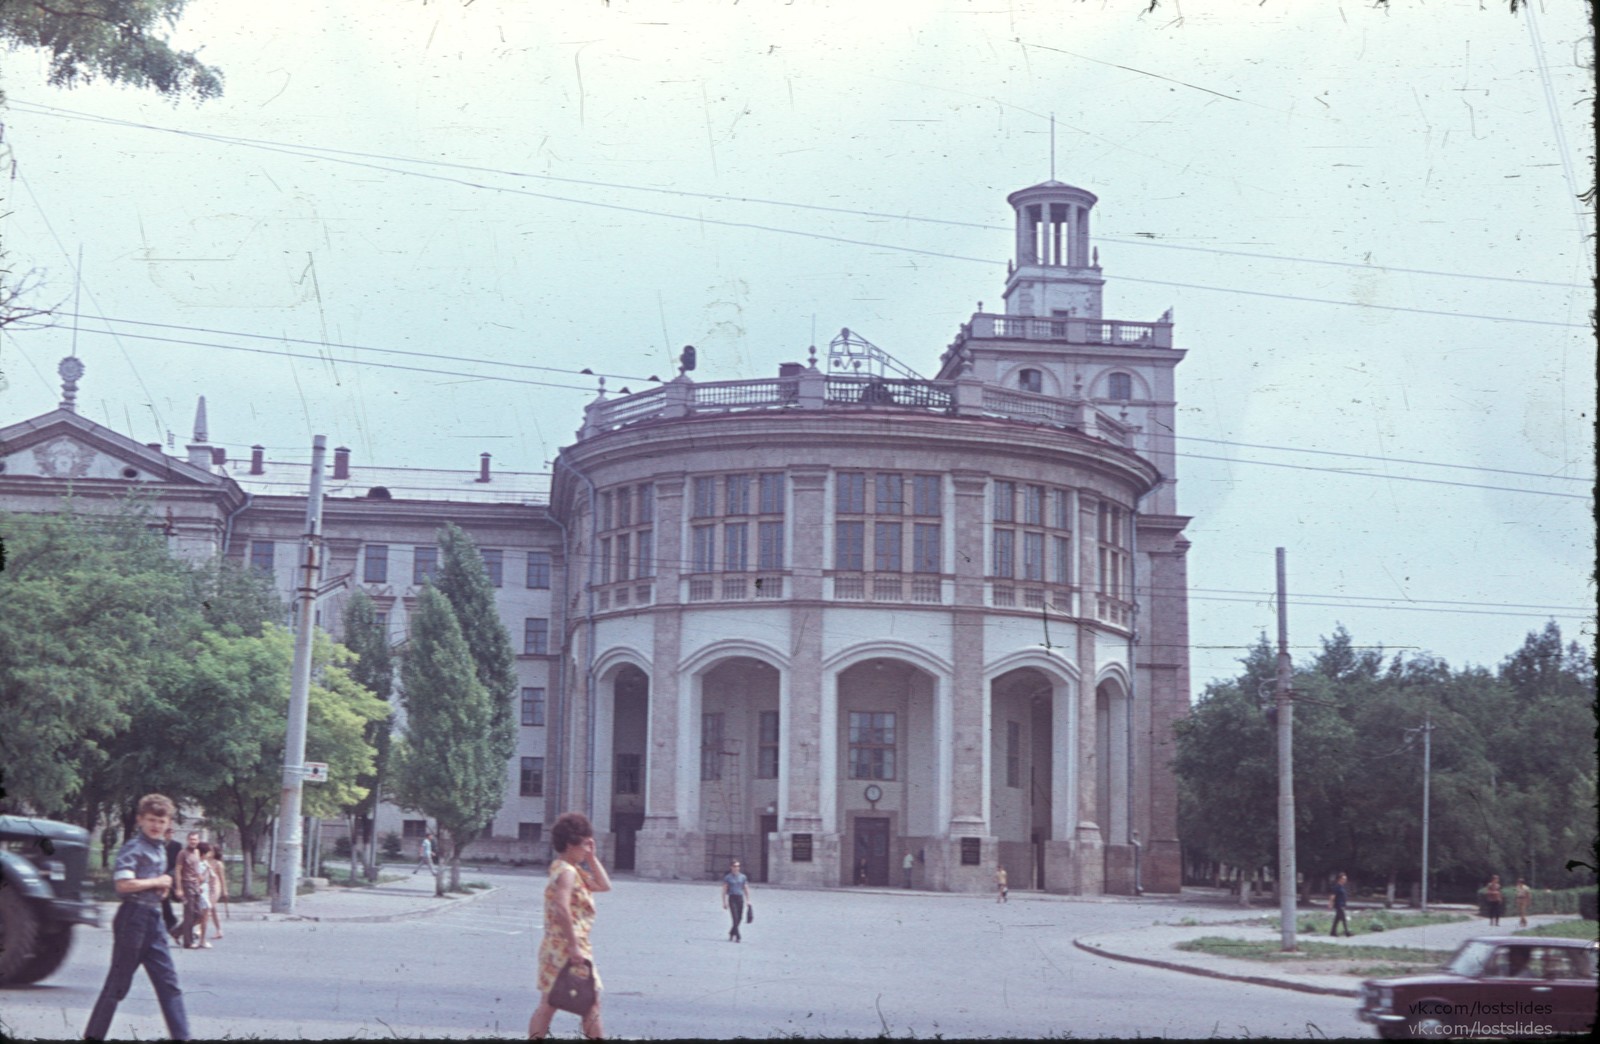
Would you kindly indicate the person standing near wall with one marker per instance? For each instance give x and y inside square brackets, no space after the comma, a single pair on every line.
[1338,899]
[735,896]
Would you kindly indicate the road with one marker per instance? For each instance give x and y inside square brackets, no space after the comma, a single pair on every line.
[834,963]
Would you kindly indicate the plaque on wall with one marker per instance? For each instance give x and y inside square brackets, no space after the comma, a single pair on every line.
[800,848]
[971,851]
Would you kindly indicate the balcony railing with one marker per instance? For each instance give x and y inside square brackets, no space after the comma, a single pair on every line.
[735,587]
[923,588]
[1112,610]
[1065,329]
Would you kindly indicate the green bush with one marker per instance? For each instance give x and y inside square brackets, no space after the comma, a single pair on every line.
[341,848]
[1545,900]
[390,844]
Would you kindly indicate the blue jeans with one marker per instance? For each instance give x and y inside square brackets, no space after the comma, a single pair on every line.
[139,937]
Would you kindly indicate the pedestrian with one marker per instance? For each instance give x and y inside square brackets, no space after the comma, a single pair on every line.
[207,892]
[905,868]
[1337,900]
[1494,900]
[1000,885]
[735,896]
[1524,896]
[192,891]
[568,918]
[219,886]
[138,936]
[425,856]
[173,849]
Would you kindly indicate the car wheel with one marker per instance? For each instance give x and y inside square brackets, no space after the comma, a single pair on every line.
[19,932]
[49,950]
[1393,1031]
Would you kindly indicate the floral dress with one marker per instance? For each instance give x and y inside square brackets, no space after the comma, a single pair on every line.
[553,950]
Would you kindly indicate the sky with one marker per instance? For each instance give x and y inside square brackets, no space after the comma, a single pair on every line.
[1366,220]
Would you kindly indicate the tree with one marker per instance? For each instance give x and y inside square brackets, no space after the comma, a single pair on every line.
[124,41]
[448,764]
[367,638]
[464,582]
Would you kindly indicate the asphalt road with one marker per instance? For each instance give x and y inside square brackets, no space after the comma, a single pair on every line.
[819,964]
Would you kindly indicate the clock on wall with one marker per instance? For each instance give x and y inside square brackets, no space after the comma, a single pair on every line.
[874,792]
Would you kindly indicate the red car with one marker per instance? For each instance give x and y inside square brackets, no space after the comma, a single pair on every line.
[1494,986]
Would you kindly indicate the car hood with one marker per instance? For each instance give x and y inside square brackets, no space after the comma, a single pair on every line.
[23,828]
[1406,982]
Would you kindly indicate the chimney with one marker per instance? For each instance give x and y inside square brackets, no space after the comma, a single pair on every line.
[341,462]
[483,467]
[257,465]
[153,445]
[219,456]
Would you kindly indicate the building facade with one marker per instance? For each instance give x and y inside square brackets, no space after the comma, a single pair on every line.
[818,621]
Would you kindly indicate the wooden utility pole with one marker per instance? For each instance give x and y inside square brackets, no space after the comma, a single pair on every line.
[1288,884]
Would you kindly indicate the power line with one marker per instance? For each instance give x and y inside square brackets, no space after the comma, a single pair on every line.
[300,151]
[1387,460]
[1375,475]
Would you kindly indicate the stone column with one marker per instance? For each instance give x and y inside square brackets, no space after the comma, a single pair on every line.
[1088,856]
[660,842]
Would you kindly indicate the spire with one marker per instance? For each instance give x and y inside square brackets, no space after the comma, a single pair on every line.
[200,421]
[71,369]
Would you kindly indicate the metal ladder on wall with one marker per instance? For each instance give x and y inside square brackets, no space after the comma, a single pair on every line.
[725,802]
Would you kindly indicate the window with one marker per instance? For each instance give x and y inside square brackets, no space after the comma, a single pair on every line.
[705,548]
[767,746]
[1005,553]
[1033,505]
[889,493]
[851,496]
[1119,386]
[771,493]
[261,553]
[424,563]
[532,777]
[382,622]
[871,745]
[1063,509]
[886,547]
[736,499]
[375,564]
[925,495]
[705,497]
[605,559]
[926,552]
[647,503]
[530,832]
[1033,556]
[711,746]
[606,516]
[494,563]
[1063,559]
[848,541]
[1005,501]
[1030,381]
[769,551]
[735,546]
[414,829]
[624,507]
[647,547]
[628,776]
[539,569]
[1112,560]
[533,706]
[1013,754]
[622,557]
[536,636]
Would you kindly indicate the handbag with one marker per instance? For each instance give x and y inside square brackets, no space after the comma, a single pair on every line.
[574,988]
[749,915]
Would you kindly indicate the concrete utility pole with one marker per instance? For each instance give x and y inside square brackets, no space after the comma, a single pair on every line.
[1288,885]
[287,854]
[1427,764]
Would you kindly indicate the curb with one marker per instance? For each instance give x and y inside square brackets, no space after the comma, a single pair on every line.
[449,903]
[1190,969]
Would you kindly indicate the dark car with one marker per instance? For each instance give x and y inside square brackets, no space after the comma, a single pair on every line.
[1494,986]
[42,867]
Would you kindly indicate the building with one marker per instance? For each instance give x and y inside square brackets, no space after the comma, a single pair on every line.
[816,621]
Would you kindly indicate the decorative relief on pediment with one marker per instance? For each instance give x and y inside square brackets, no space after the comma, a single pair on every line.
[63,458]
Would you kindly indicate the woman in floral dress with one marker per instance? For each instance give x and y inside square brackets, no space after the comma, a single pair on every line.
[575,874]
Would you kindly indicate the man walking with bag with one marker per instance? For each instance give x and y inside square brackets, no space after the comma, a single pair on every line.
[735,897]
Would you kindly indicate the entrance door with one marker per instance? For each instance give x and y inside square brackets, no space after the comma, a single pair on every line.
[769,825]
[872,851]
[625,825]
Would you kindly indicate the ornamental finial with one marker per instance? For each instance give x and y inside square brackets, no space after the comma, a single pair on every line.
[71,370]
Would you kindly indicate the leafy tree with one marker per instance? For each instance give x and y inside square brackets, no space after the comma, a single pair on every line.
[464,582]
[366,637]
[447,765]
[124,41]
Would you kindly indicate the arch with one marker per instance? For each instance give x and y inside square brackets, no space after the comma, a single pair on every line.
[708,656]
[1013,378]
[618,656]
[1100,383]
[1041,660]
[887,649]
[1117,673]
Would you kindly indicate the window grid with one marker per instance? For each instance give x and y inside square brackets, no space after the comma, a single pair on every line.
[629,774]
[375,564]
[494,563]
[532,707]
[261,555]
[711,746]
[1013,754]
[538,569]
[424,563]
[767,746]
[536,636]
[872,745]
[532,782]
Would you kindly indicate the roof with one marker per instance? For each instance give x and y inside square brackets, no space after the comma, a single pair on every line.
[284,479]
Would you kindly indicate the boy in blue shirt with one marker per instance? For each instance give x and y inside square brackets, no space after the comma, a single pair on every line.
[138,934]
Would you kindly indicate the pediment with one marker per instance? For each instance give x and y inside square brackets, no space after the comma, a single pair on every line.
[65,447]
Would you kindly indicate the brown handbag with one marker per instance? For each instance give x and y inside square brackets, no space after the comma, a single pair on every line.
[574,988]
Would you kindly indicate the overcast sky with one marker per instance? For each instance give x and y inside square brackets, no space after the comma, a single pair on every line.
[1364,218]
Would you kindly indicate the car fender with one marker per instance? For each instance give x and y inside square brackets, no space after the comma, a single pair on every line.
[17,872]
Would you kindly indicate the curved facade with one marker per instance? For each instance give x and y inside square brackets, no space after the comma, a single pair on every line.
[820,621]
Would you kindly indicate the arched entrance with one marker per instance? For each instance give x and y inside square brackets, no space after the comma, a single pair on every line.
[739,746]
[1112,735]
[886,765]
[1028,761]
[622,762]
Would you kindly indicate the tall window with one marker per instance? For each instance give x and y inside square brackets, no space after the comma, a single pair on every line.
[623,559]
[424,563]
[1033,556]
[1005,501]
[926,495]
[894,495]
[530,832]
[647,552]
[704,546]
[871,745]
[494,563]
[1005,553]
[1030,381]
[711,746]
[1120,386]
[261,552]
[536,636]
[533,706]
[375,564]
[851,495]
[767,746]
[627,548]
[1113,558]
[769,553]
[628,778]
[849,539]
[705,496]
[1033,505]
[886,556]
[889,493]
[539,569]
[532,777]
[1032,534]
[772,493]
[735,547]
[737,497]
[926,549]
[1013,754]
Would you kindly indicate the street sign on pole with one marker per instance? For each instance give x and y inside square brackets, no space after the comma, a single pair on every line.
[316,772]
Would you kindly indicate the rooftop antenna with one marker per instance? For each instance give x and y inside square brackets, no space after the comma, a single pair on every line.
[77,294]
[1052,146]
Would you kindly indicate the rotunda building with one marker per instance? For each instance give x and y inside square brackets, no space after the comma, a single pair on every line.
[822,621]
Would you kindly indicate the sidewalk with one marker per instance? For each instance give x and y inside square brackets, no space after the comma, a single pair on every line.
[1157,946]
[410,897]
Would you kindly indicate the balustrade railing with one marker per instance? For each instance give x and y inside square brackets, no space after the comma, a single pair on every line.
[1070,329]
